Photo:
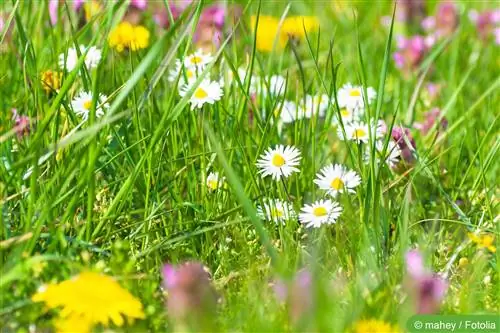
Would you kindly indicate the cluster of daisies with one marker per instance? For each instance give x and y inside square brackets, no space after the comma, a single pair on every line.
[185,74]
[281,162]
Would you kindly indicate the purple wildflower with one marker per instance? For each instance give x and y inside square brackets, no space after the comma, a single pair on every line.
[447,18]
[427,288]
[405,142]
[296,294]
[411,51]
[191,295]
[429,122]
[487,24]
[410,11]
[21,124]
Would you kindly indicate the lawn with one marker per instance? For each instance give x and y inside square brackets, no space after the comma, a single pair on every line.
[260,166]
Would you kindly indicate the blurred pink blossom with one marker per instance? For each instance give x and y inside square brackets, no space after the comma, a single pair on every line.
[427,289]
[447,18]
[21,123]
[430,119]
[411,52]
[297,294]
[191,295]
[402,136]
[487,24]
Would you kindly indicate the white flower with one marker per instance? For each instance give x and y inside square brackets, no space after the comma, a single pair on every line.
[188,73]
[392,154]
[337,179]
[273,85]
[313,105]
[69,60]
[206,92]
[214,181]
[348,115]
[198,60]
[279,162]
[82,103]
[359,132]
[352,96]
[275,210]
[320,212]
[287,113]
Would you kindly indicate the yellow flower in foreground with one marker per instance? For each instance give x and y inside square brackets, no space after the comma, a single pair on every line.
[51,81]
[374,326]
[483,241]
[269,30]
[89,299]
[128,36]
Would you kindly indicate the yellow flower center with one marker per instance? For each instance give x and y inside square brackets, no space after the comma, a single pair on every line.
[320,211]
[355,93]
[212,184]
[87,104]
[344,113]
[278,160]
[189,74]
[276,213]
[196,60]
[200,93]
[337,184]
[359,133]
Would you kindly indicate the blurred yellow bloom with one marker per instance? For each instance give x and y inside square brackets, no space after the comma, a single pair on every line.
[483,241]
[374,326]
[128,36]
[269,30]
[91,8]
[73,324]
[89,299]
[51,81]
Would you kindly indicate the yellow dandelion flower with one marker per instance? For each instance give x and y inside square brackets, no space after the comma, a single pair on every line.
[73,324]
[90,298]
[483,241]
[374,326]
[269,30]
[51,81]
[128,36]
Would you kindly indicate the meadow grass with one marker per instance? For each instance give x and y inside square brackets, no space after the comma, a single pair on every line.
[125,193]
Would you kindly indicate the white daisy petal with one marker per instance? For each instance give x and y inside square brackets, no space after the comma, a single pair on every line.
[352,96]
[214,181]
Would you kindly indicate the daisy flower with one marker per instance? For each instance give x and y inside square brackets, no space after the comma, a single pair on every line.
[207,92]
[188,73]
[320,212]
[214,181]
[198,60]
[275,210]
[314,105]
[273,85]
[82,103]
[287,113]
[348,115]
[355,131]
[359,132]
[68,61]
[352,96]
[392,154]
[279,162]
[337,179]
